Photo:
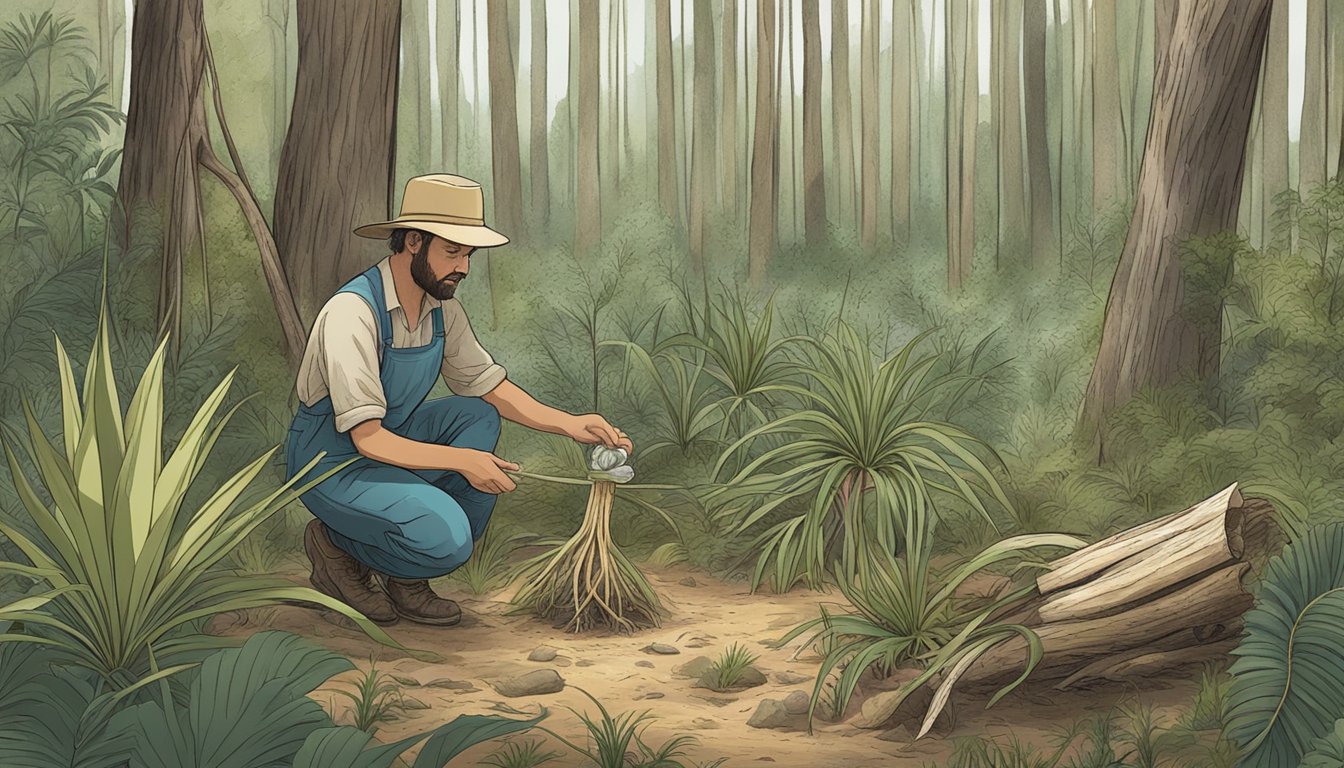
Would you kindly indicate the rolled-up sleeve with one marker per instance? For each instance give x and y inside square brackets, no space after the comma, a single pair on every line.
[347,334]
[467,368]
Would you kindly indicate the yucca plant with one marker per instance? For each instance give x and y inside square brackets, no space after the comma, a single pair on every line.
[730,665]
[131,567]
[905,616]
[616,741]
[520,754]
[375,698]
[858,465]
[1288,677]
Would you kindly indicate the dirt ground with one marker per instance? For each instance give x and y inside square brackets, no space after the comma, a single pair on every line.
[706,616]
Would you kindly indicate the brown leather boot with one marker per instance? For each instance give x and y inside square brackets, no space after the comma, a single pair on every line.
[413,600]
[338,575]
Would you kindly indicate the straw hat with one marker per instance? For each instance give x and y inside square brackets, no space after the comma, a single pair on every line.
[451,207]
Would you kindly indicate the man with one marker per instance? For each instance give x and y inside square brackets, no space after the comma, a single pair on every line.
[424,477]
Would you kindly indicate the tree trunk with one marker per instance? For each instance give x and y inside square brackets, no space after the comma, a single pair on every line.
[588,213]
[842,112]
[902,72]
[1276,105]
[504,154]
[1081,15]
[667,113]
[868,124]
[1038,151]
[704,148]
[414,88]
[728,154]
[963,96]
[1190,186]
[814,177]
[277,13]
[1108,151]
[1013,186]
[765,149]
[1311,149]
[450,79]
[539,163]
[344,107]
[609,133]
[167,141]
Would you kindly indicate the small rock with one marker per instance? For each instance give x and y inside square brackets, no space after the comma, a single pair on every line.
[452,685]
[696,667]
[583,663]
[542,653]
[765,759]
[688,582]
[408,682]
[561,661]
[797,703]
[788,677]
[644,663]
[531,684]
[662,649]
[704,723]
[770,713]
[653,695]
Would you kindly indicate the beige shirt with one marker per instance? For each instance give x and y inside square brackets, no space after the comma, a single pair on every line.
[341,359]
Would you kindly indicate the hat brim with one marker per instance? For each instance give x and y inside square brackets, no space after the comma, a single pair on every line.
[474,236]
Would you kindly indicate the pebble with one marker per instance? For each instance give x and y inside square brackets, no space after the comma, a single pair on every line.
[688,582]
[583,663]
[533,683]
[797,703]
[662,648]
[653,695]
[452,685]
[696,667]
[542,653]
[788,677]
[644,663]
[770,713]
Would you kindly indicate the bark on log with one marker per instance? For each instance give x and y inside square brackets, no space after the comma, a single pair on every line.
[1164,593]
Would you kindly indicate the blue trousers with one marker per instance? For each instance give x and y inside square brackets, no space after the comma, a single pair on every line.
[412,524]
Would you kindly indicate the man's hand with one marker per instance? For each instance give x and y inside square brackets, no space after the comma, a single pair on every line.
[592,429]
[485,471]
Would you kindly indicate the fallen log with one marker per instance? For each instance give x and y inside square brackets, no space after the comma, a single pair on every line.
[1167,592]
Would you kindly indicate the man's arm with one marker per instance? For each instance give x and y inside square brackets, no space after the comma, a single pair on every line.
[484,470]
[519,407]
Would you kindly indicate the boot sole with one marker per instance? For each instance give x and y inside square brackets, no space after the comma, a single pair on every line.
[428,620]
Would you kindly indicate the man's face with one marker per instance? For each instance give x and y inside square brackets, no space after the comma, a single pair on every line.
[439,265]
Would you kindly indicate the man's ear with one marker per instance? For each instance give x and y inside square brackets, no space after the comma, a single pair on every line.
[413,241]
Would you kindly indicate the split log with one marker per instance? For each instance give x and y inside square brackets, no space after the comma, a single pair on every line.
[1168,592]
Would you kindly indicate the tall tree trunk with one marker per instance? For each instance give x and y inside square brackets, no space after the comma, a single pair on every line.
[505,162]
[588,216]
[539,146]
[704,147]
[167,142]
[1107,143]
[963,94]
[902,36]
[609,134]
[1311,149]
[277,13]
[1038,151]
[344,107]
[1008,119]
[1275,101]
[814,178]
[1081,20]
[997,66]
[728,154]
[667,112]
[1190,186]
[868,87]
[843,112]
[450,78]
[1064,69]
[765,148]
[414,88]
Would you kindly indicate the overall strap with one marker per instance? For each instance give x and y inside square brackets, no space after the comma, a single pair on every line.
[375,278]
[438,321]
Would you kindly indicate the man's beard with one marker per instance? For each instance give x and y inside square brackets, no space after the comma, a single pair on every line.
[425,278]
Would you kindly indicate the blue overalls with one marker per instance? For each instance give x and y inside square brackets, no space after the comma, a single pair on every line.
[410,524]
